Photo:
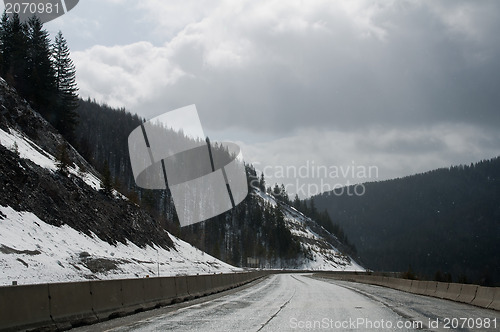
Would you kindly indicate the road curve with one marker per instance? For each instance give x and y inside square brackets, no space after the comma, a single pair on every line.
[293,302]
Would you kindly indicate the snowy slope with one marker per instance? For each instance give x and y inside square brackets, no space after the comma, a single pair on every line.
[321,254]
[32,251]
[27,149]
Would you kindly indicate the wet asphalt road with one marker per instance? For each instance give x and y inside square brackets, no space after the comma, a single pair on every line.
[294,302]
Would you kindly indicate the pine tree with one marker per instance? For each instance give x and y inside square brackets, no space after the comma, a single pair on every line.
[4,44]
[41,89]
[312,209]
[65,79]
[296,202]
[262,182]
[15,149]
[106,181]
[14,51]
[276,191]
[284,194]
[62,159]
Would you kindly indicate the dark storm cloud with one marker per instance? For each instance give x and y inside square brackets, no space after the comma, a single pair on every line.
[330,66]
[420,72]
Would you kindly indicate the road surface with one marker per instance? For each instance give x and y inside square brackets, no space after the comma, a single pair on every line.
[294,302]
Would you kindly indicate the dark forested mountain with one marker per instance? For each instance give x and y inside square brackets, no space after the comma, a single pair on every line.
[102,136]
[439,222]
[102,139]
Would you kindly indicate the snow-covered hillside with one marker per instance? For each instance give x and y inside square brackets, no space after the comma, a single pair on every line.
[321,254]
[27,149]
[32,251]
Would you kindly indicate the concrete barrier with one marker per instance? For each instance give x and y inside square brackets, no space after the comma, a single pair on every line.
[205,284]
[417,287]
[496,300]
[181,289]
[64,305]
[374,280]
[195,286]
[355,278]
[401,284]
[381,281]
[217,283]
[209,288]
[224,281]
[227,281]
[364,279]
[386,281]
[71,304]
[133,295]
[24,307]
[230,280]
[430,288]
[484,296]
[441,289]
[153,293]
[246,278]
[453,291]
[238,279]
[68,304]
[107,298]
[467,293]
[168,290]
[394,283]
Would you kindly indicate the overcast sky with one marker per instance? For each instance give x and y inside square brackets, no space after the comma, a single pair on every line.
[406,86]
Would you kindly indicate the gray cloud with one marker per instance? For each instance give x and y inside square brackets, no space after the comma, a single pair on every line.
[277,73]
[324,68]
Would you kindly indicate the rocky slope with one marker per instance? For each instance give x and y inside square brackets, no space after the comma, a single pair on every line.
[320,248]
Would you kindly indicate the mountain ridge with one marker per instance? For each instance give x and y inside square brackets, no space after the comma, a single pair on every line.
[454,211]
